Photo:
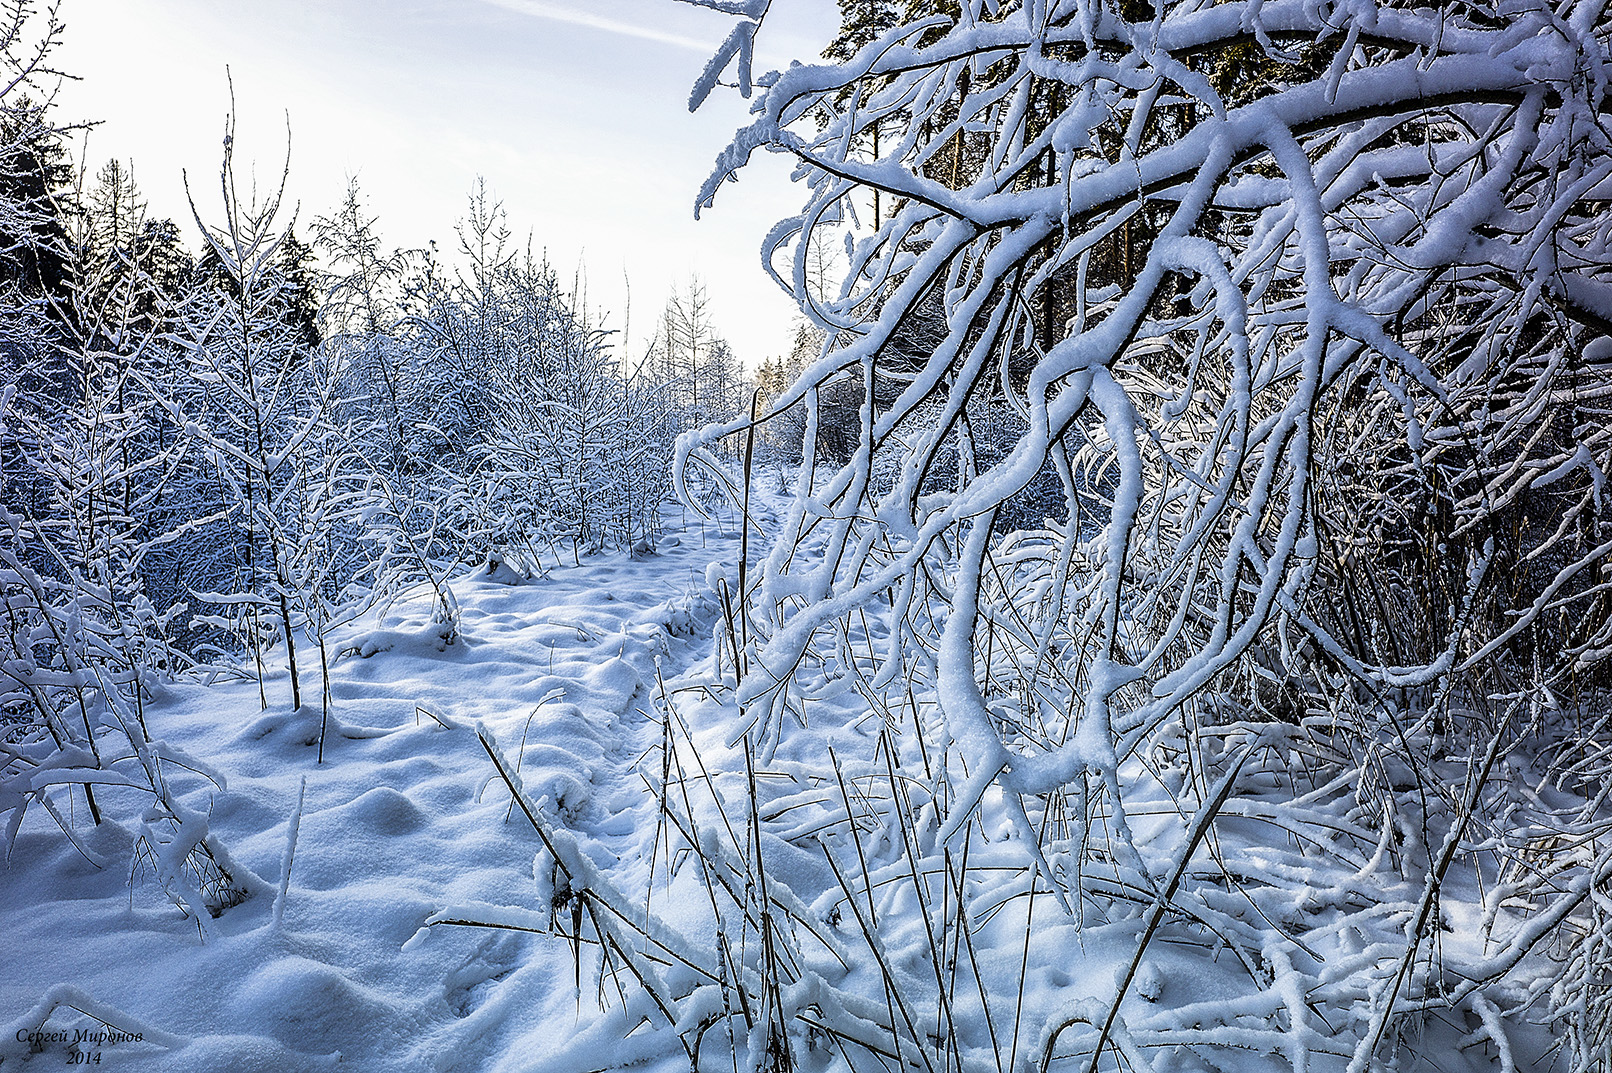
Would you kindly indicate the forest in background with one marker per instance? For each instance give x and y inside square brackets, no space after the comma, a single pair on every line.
[230,444]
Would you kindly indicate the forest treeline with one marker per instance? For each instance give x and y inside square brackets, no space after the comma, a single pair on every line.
[231,440]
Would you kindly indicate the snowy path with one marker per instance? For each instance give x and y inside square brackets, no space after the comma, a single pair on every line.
[395,826]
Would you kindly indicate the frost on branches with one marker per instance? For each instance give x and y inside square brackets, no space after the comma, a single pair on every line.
[1290,322]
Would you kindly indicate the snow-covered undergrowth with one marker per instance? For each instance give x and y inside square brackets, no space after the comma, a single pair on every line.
[330,960]
[854,895]
[1303,306]
[659,889]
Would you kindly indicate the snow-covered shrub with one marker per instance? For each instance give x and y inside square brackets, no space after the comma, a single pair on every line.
[72,692]
[251,405]
[81,645]
[537,439]
[1305,306]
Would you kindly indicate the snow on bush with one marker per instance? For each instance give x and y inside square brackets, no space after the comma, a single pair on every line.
[1305,306]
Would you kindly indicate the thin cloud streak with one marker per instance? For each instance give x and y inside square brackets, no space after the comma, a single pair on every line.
[543,10]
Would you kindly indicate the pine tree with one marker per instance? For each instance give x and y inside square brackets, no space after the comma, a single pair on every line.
[35,182]
[862,22]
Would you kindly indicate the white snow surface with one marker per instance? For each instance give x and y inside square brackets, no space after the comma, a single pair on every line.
[398,823]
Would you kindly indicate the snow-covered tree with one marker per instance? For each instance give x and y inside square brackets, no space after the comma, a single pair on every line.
[366,337]
[250,408]
[694,361]
[557,452]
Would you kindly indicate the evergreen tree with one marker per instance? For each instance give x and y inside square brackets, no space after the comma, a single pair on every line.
[294,264]
[861,22]
[35,183]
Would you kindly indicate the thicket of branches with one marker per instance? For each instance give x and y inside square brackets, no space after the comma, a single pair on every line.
[1302,310]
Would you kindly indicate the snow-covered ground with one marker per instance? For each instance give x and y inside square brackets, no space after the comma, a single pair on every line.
[423,925]
[397,823]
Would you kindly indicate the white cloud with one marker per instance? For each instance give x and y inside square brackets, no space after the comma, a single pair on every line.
[543,10]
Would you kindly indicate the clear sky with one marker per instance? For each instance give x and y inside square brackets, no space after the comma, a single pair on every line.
[575,112]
